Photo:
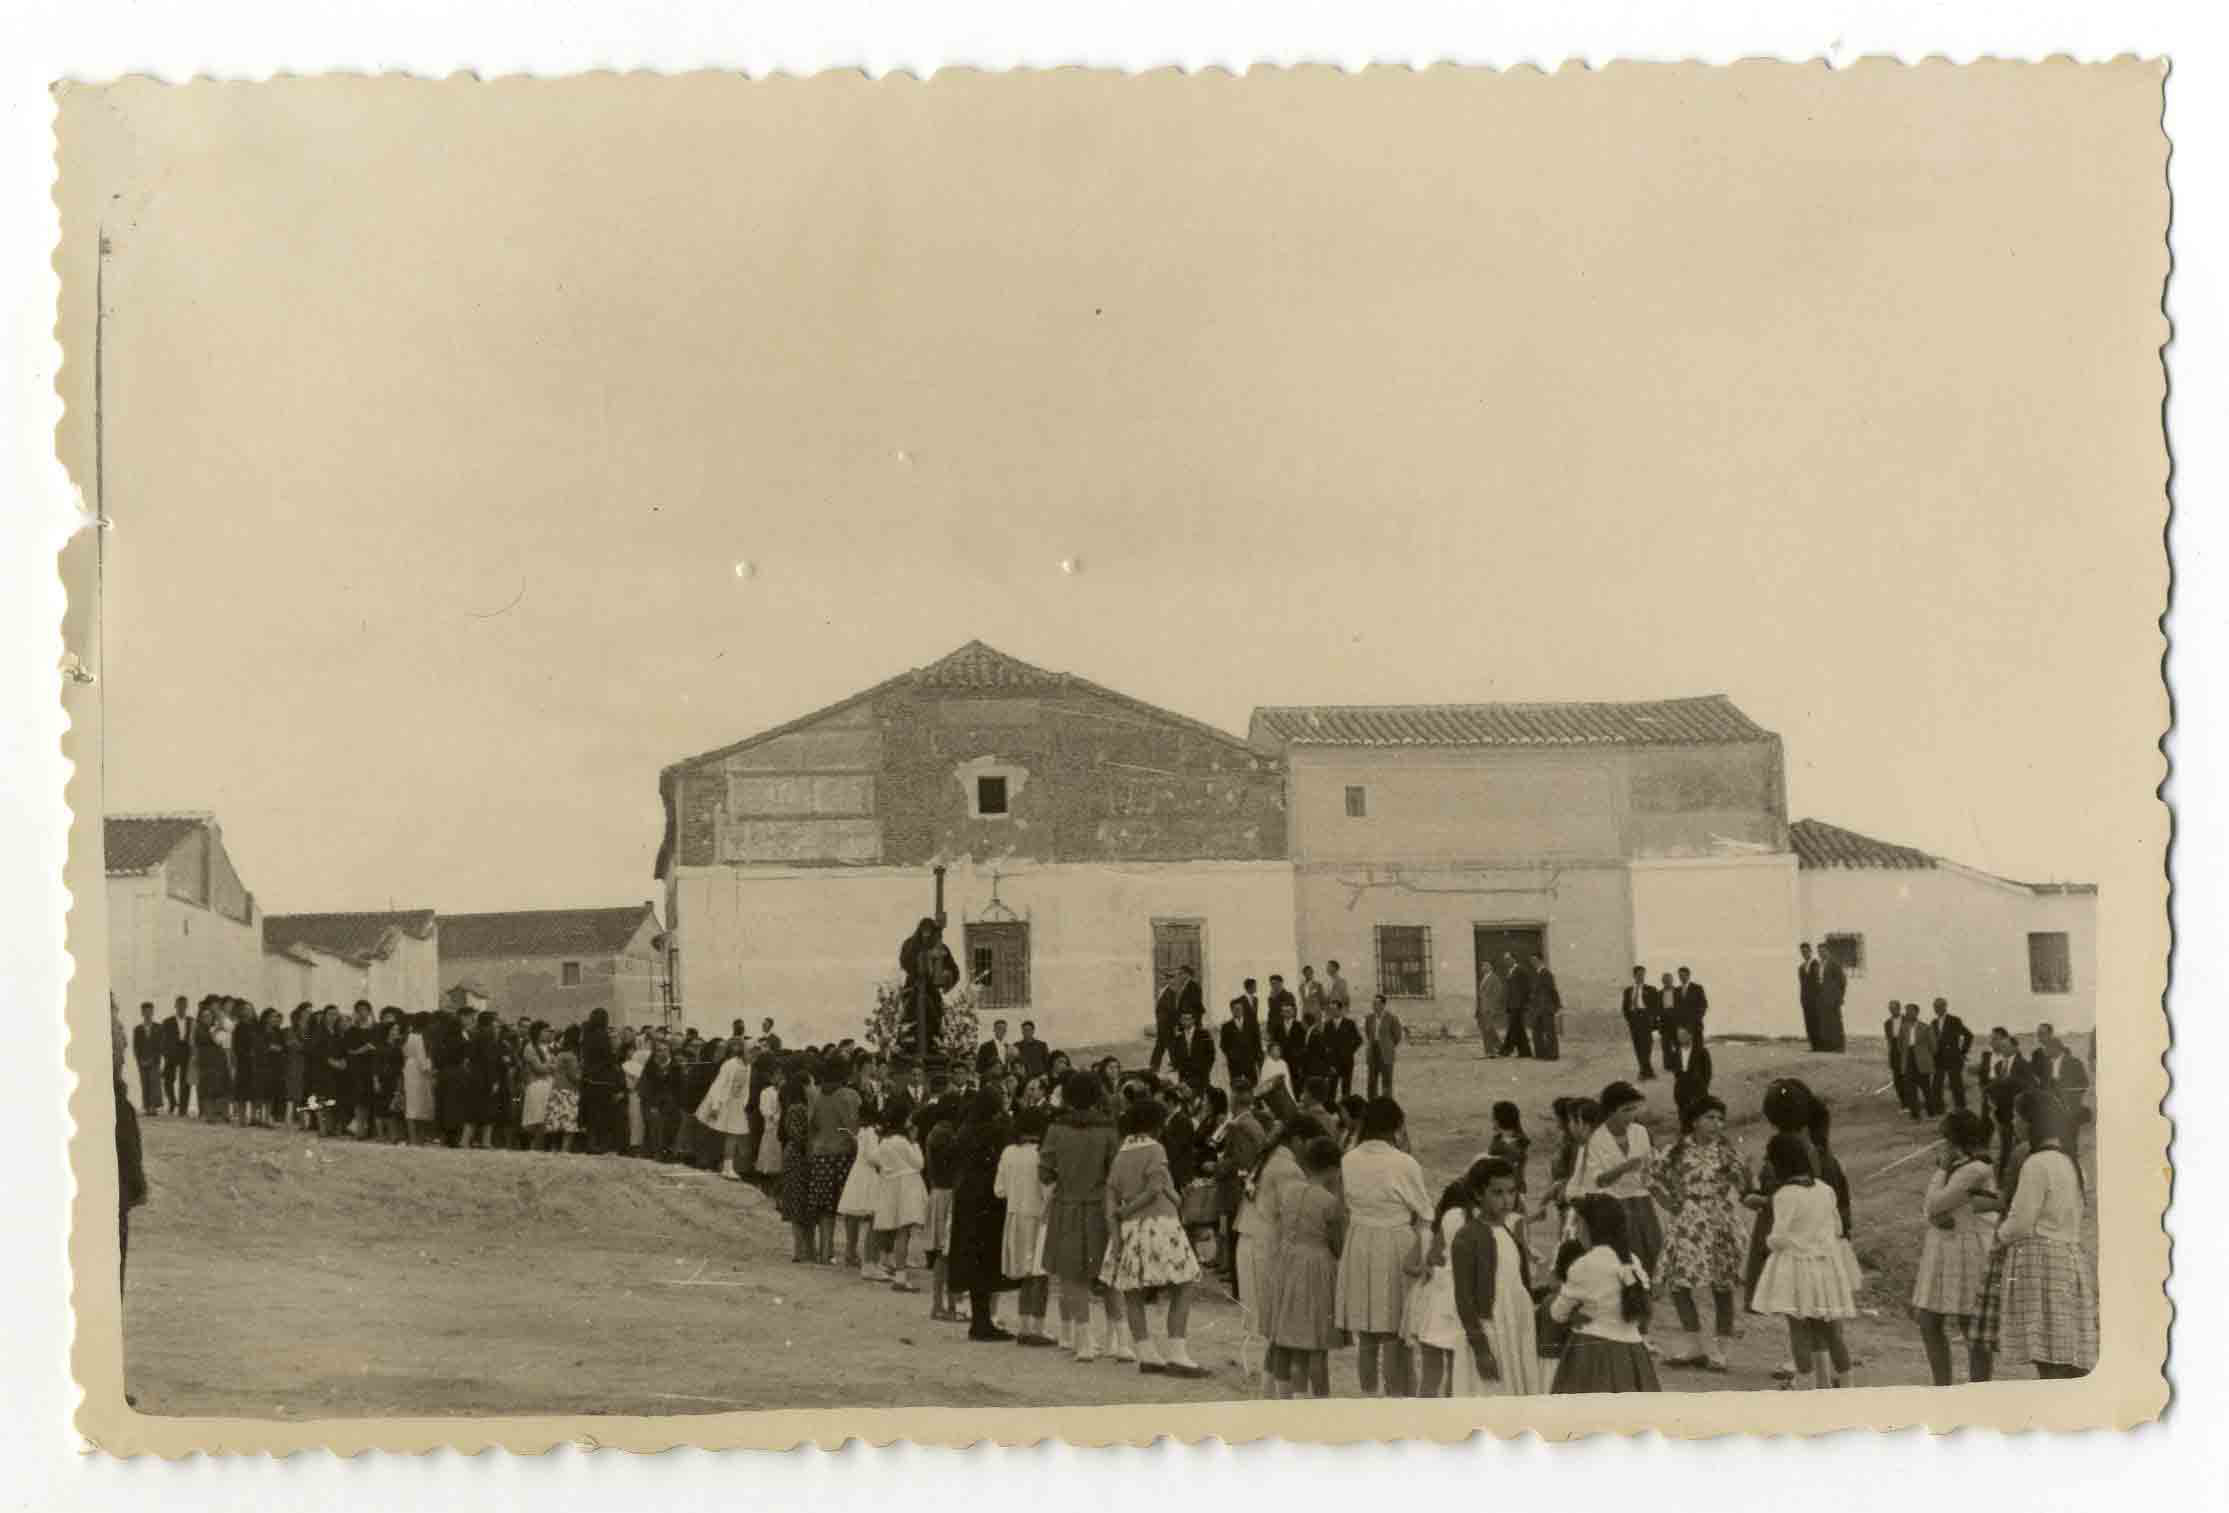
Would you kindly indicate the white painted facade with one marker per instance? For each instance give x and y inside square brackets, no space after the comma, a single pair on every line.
[1731,920]
[805,946]
[1951,932]
[304,974]
[161,946]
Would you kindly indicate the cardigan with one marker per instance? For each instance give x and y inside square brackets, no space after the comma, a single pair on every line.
[1476,1259]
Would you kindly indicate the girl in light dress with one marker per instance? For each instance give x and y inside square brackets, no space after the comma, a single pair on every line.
[770,1143]
[902,1201]
[1150,1254]
[1960,1209]
[417,1081]
[1804,1280]
[1261,1194]
[1388,1216]
[726,1107]
[1312,1231]
[1022,1250]
[1494,1304]
[857,1202]
[1433,1327]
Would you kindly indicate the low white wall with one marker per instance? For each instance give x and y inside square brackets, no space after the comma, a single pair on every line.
[160,947]
[1732,922]
[1950,933]
[805,947]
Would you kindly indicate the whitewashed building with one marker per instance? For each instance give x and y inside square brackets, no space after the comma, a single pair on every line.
[1910,925]
[180,921]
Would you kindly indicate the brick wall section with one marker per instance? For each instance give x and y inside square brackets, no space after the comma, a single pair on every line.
[1106,780]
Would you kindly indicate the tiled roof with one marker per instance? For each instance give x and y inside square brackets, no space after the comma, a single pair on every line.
[134,843]
[1711,720]
[978,666]
[356,937]
[543,932]
[1819,844]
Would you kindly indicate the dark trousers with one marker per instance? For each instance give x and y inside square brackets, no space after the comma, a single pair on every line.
[151,1086]
[755,1123]
[1544,1035]
[1515,1042]
[1644,1036]
[1381,1078]
[1667,1037]
[656,1125]
[1342,1077]
[1949,1075]
[1164,1044]
[175,1087]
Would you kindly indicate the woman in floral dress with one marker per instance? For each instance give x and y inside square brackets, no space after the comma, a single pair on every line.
[1700,1183]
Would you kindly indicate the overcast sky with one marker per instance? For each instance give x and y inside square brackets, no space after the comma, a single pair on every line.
[439,420]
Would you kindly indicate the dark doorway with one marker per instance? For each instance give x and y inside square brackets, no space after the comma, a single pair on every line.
[1489,942]
[1179,943]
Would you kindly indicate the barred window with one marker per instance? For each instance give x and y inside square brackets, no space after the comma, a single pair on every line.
[998,964]
[2050,966]
[1846,949]
[1405,961]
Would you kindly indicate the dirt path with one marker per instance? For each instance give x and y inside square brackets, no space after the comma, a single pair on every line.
[280,1276]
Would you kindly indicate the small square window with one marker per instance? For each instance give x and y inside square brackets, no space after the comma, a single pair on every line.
[1846,949]
[990,795]
[568,975]
[1358,803]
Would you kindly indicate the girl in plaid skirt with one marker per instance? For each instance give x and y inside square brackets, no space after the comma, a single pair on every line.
[2039,1298]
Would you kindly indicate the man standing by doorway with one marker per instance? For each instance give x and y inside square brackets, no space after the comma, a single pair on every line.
[1545,1010]
[1493,997]
[1667,1023]
[1164,1021]
[1242,1037]
[1640,1008]
[1518,1005]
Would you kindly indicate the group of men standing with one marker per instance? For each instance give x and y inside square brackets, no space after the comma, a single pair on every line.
[1821,985]
[1518,1008]
[1313,1032]
[1657,1016]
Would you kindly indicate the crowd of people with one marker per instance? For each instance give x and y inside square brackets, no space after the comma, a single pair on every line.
[1100,1196]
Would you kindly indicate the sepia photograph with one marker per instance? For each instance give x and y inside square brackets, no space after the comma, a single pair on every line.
[1308,754]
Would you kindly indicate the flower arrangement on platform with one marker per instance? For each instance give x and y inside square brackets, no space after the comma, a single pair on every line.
[890,1025]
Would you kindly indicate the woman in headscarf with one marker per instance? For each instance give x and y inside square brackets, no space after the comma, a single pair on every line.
[975,1264]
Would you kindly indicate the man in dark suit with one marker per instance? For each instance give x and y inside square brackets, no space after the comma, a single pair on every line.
[1033,1054]
[147,1055]
[1640,1006]
[1808,977]
[1165,1019]
[1892,1031]
[1342,1041]
[1242,1036]
[2005,1075]
[176,1040]
[1381,1044]
[1667,1023]
[2058,1071]
[1545,1010]
[1308,1049]
[1919,1066]
[994,1053]
[1694,1004]
[1834,987]
[1195,1052]
[1518,1006]
[1952,1041]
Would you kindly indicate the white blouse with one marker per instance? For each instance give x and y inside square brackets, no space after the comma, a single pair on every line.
[1596,1283]
[1603,1152]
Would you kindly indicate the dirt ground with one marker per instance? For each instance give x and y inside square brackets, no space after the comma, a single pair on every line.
[277,1275]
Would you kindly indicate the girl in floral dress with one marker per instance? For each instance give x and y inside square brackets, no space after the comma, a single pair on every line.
[1150,1253]
[1960,1209]
[796,1195]
[1700,1183]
